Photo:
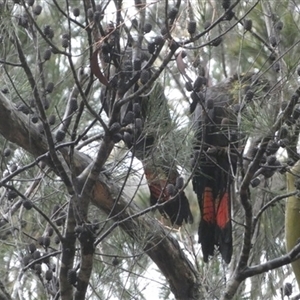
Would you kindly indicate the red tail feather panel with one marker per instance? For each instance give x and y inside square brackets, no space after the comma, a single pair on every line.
[208,207]
[223,211]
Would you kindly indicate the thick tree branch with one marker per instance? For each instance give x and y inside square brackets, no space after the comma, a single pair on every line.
[163,249]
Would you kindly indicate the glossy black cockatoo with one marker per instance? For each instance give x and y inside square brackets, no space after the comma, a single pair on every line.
[149,144]
[214,166]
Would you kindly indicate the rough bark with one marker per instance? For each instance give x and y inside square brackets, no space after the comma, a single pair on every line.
[162,248]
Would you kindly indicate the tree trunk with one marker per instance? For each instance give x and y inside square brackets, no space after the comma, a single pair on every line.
[292,216]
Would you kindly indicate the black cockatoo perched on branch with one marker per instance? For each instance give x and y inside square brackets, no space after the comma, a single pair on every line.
[214,166]
[151,145]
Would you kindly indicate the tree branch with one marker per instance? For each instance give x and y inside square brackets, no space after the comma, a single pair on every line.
[162,248]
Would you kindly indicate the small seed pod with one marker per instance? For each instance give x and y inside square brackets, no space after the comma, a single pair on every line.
[272,148]
[50,35]
[61,219]
[5,91]
[135,23]
[55,209]
[272,56]
[276,67]
[50,231]
[76,11]
[90,13]
[268,172]
[78,229]
[34,119]
[46,258]
[23,21]
[279,25]
[115,128]
[151,47]
[255,182]
[37,10]
[226,4]
[46,241]
[30,2]
[66,36]
[298,71]
[127,137]
[271,160]
[60,135]
[138,124]
[7,152]
[40,240]
[65,43]
[193,106]
[210,103]
[26,260]
[98,7]
[97,16]
[46,29]
[117,137]
[229,15]
[288,289]
[49,275]
[273,41]
[145,76]
[248,24]
[36,254]
[47,54]
[73,104]
[13,168]
[173,13]
[192,27]
[51,119]
[23,108]
[159,40]
[296,113]
[147,27]
[216,42]
[46,103]
[50,87]
[56,240]
[137,64]
[170,188]
[42,164]
[129,118]
[115,261]
[38,268]
[27,204]
[249,95]
[31,247]
[179,183]
[11,195]
[198,83]
[136,108]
